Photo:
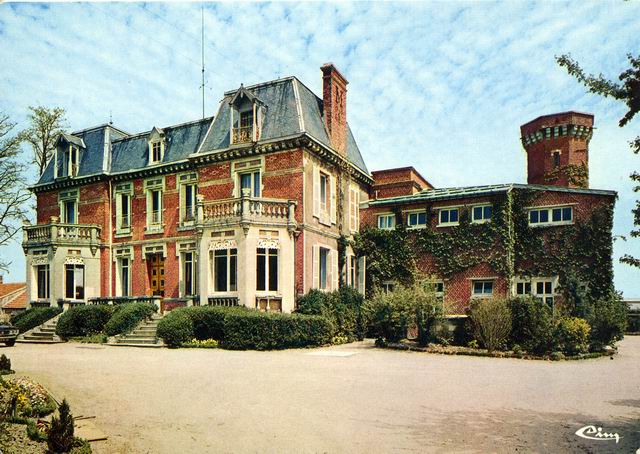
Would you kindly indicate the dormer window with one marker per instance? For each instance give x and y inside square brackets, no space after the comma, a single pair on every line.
[247,113]
[67,156]
[73,158]
[156,146]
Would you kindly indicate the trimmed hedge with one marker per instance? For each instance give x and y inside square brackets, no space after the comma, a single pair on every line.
[254,330]
[84,320]
[33,317]
[127,316]
[239,328]
[532,325]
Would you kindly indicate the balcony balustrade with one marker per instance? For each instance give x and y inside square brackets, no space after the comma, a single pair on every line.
[242,134]
[59,233]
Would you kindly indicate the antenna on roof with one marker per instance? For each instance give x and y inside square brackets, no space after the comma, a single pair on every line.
[202,86]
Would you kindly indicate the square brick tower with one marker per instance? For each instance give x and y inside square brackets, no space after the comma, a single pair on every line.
[557,147]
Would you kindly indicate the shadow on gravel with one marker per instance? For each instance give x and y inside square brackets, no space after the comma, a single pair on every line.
[518,431]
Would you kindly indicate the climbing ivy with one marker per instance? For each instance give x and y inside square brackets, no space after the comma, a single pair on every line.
[508,244]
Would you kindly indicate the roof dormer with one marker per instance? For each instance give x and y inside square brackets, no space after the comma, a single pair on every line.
[156,146]
[246,116]
[68,153]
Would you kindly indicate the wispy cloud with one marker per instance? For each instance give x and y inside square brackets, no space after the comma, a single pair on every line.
[443,86]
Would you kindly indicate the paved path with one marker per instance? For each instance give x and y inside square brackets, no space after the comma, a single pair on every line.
[352,398]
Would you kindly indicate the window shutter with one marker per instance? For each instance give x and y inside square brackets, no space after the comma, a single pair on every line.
[316,191]
[361,273]
[332,209]
[334,269]
[316,266]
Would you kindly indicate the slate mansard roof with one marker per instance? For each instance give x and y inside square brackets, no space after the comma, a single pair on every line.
[291,110]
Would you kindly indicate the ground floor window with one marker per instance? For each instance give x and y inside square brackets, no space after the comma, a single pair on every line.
[388,286]
[523,288]
[43,281]
[224,270]
[125,276]
[74,282]
[189,273]
[544,291]
[267,270]
[482,289]
[541,288]
[324,268]
[352,274]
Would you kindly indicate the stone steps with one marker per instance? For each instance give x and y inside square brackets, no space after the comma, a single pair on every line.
[43,334]
[144,335]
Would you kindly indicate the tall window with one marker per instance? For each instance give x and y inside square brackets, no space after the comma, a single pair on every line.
[156,152]
[43,281]
[324,192]
[70,215]
[156,207]
[246,119]
[267,270]
[72,165]
[324,268]
[353,261]
[250,180]
[189,202]
[124,220]
[556,159]
[225,270]
[354,209]
[74,282]
[188,273]
[125,273]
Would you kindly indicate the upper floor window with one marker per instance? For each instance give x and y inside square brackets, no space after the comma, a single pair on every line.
[156,145]
[481,213]
[188,198]
[251,181]
[354,208]
[68,201]
[386,221]
[550,216]
[248,175]
[556,159]
[416,220]
[324,196]
[154,189]
[156,152]
[482,288]
[73,160]
[247,114]
[123,196]
[448,217]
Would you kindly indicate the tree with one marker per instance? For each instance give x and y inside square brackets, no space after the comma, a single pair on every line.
[13,194]
[46,125]
[60,438]
[628,91]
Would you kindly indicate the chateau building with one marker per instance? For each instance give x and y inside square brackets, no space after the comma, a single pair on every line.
[249,207]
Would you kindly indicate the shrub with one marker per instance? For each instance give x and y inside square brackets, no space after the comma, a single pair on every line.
[608,321]
[571,335]
[127,317]
[5,364]
[491,322]
[33,317]
[33,432]
[175,328]
[252,330]
[84,321]
[60,438]
[531,325]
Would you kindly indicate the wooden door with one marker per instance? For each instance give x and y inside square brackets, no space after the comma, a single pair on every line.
[156,274]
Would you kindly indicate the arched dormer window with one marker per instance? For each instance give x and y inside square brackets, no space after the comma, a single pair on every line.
[156,146]
[246,117]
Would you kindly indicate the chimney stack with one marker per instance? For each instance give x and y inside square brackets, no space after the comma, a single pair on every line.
[334,100]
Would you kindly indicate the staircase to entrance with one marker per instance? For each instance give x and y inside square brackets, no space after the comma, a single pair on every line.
[144,335]
[43,334]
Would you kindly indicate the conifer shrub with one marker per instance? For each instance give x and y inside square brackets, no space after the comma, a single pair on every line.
[60,438]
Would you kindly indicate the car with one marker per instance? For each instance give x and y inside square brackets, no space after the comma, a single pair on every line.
[8,334]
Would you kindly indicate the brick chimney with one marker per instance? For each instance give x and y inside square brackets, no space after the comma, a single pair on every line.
[334,99]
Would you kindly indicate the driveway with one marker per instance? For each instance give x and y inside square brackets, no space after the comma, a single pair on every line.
[351,398]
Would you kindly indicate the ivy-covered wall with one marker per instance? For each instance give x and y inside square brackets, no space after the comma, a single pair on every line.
[501,249]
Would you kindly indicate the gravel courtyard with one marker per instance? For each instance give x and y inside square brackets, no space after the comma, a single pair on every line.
[352,398]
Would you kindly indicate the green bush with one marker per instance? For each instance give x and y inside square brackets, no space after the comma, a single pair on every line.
[5,364]
[608,321]
[343,308]
[176,328]
[254,330]
[127,316]
[391,314]
[33,317]
[84,320]
[571,335]
[531,325]
[60,437]
[491,322]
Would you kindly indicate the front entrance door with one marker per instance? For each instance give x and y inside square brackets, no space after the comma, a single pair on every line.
[156,274]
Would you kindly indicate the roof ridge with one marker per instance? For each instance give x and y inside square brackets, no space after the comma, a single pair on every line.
[176,126]
[258,85]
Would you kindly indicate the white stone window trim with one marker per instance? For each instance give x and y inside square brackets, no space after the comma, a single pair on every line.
[156,137]
[549,209]
[327,215]
[120,190]
[448,208]
[354,208]
[332,267]
[183,180]
[473,216]
[484,280]
[416,211]
[151,185]
[69,196]
[251,167]
[212,272]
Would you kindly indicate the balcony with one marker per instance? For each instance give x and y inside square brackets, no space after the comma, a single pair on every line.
[247,210]
[242,134]
[61,234]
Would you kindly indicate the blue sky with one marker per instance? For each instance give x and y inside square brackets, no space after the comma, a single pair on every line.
[442,86]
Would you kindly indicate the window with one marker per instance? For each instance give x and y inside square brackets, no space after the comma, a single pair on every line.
[156,207]
[482,289]
[324,196]
[74,281]
[556,159]
[324,268]
[70,215]
[352,274]
[480,214]
[251,181]
[417,220]
[354,209]
[189,273]
[523,288]
[388,286]
[156,152]
[246,119]
[267,270]
[386,221]
[448,216]
[189,200]
[125,276]
[73,156]
[43,281]
[549,216]
[544,291]
[124,216]
[324,192]
[225,270]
